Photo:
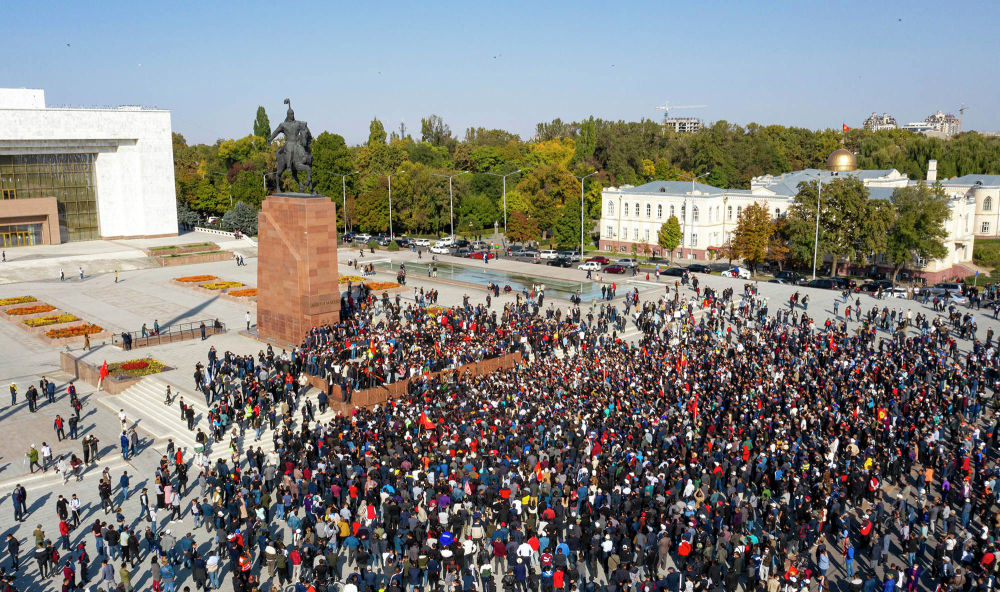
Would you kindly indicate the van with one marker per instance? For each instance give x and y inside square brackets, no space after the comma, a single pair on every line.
[548,254]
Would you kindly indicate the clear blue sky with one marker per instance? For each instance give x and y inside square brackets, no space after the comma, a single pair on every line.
[787,62]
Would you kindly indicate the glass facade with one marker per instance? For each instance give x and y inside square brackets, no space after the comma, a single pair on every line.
[67,177]
[20,235]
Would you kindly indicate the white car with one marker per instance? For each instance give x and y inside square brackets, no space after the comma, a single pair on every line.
[422,242]
[590,266]
[440,249]
[364,237]
[627,262]
[445,242]
[737,272]
[548,254]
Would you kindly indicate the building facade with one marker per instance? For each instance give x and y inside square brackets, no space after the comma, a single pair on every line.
[708,215]
[876,122]
[83,174]
[683,125]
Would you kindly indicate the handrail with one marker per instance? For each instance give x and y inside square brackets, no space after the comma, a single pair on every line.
[170,332]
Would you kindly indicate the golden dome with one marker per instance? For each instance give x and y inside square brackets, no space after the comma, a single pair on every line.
[841,160]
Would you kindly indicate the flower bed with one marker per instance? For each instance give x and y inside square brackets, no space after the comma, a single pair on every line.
[135,368]
[350,278]
[221,285]
[194,279]
[27,310]
[74,331]
[381,285]
[51,320]
[17,300]
[244,293]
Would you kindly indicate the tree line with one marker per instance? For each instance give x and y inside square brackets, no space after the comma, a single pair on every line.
[543,189]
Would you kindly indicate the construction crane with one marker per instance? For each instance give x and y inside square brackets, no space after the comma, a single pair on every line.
[961,116]
[665,107]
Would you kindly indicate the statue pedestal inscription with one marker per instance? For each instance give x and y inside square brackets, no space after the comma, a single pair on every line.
[296,267]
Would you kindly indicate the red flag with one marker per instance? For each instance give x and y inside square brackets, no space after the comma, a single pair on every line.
[104,370]
[846,129]
[425,422]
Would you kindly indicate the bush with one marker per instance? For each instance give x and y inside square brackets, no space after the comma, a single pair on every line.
[241,217]
[986,253]
[373,244]
[393,246]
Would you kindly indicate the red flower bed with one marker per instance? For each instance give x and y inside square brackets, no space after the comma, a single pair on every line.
[134,365]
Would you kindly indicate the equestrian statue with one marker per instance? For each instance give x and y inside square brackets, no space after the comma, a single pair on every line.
[296,153]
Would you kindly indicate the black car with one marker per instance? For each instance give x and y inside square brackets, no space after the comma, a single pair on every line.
[790,277]
[673,272]
[845,283]
[347,238]
[699,268]
[560,262]
[824,283]
[461,243]
[873,287]
[461,252]
[404,242]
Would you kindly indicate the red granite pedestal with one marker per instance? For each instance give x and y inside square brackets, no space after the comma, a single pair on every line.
[296,267]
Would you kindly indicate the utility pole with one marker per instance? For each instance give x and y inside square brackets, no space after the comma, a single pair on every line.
[504,177]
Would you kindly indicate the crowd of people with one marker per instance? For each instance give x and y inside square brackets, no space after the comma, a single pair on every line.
[729,446]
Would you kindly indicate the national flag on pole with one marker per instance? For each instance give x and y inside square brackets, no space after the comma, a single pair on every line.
[425,422]
[104,370]
[846,129]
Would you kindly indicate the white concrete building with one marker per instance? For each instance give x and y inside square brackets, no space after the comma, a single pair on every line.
[109,171]
[708,215]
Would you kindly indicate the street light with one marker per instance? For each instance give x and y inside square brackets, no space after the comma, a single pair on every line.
[343,185]
[389,177]
[504,177]
[451,199]
[582,179]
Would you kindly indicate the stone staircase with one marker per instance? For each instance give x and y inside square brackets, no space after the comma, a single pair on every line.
[144,407]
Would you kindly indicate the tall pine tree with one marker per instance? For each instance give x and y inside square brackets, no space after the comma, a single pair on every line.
[261,124]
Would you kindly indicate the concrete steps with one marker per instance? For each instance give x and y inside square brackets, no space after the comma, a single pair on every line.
[143,405]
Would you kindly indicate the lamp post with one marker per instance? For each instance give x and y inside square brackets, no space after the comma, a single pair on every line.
[389,177]
[582,179]
[343,186]
[504,177]
[819,198]
[451,199]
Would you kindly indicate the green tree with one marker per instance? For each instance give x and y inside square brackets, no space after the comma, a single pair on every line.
[850,226]
[208,198]
[187,217]
[754,229]
[376,133]
[476,212]
[567,230]
[434,131]
[261,124]
[521,228]
[918,225]
[331,158]
[669,236]
[243,217]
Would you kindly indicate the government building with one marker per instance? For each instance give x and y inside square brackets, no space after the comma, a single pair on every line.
[708,215]
[74,174]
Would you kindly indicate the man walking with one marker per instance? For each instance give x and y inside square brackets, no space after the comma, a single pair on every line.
[57,425]
[14,550]
[33,459]
[13,394]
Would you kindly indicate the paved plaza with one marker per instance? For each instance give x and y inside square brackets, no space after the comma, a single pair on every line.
[144,295]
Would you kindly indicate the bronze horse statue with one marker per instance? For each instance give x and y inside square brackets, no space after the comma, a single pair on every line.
[296,153]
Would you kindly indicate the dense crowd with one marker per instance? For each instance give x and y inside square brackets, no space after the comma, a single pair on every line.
[729,446]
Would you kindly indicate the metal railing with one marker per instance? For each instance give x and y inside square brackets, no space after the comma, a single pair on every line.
[171,333]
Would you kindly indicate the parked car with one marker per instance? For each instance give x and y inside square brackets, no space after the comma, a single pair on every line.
[872,287]
[560,262]
[737,272]
[362,237]
[482,254]
[614,269]
[348,238]
[549,254]
[824,283]
[673,271]
[422,242]
[845,283]
[778,281]
[478,245]
[789,277]
[440,250]
[942,288]
[446,241]
[699,268]
[461,252]
[627,262]
[590,266]
[571,255]
[600,259]
[213,220]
